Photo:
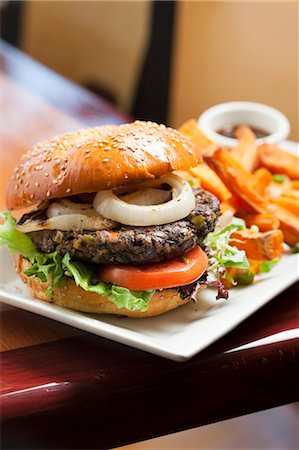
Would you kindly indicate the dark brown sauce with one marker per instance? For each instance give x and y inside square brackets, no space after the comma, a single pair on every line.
[230,131]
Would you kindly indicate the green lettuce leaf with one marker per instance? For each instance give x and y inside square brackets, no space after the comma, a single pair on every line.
[221,253]
[267,266]
[120,296]
[48,266]
[57,268]
[16,241]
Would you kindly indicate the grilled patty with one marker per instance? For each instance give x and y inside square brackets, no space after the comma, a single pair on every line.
[135,245]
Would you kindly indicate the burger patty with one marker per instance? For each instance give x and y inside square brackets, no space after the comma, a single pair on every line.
[135,245]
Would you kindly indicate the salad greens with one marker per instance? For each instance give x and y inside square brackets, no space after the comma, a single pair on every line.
[223,255]
[58,269]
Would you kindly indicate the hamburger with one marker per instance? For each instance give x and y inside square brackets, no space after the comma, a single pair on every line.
[111,227]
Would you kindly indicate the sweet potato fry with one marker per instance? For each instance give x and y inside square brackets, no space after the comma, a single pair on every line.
[291,193]
[278,161]
[209,180]
[194,181]
[262,179]
[191,129]
[246,151]
[239,276]
[289,203]
[227,206]
[265,222]
[259,246]
[237,206]
[295,184]
[237,180]
[289,223]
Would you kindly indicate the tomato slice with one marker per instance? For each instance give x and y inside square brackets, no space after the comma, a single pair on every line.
[175,272]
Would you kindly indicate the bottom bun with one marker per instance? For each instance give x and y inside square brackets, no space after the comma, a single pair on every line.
[74,297]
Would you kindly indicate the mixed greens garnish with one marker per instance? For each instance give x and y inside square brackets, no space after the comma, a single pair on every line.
[223,255]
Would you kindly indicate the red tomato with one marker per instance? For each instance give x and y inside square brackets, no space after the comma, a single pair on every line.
[175,272]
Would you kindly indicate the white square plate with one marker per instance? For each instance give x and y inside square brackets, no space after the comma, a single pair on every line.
[178,334]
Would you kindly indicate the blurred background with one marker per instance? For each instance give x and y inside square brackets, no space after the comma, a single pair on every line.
[166,61]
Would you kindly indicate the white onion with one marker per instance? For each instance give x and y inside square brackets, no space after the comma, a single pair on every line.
[224,220]
[67,222]
[66,215]
[147,197]
[182,203]
[65,207]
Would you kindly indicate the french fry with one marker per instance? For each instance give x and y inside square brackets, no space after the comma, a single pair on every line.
[191,129]
[259,246]
[262,178]
[245,152]
[239,181]
[209,180]
[289,203]
[239,276]
[265,222]
[289,223]
[295,184]
[291,193]
[193,181]
[236,206]
[278,161]
[227,206]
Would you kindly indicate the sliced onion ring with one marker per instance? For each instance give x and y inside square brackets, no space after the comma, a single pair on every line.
[149,196]
[112,207]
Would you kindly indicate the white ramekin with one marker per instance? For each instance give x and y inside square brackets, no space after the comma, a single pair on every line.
[244,113]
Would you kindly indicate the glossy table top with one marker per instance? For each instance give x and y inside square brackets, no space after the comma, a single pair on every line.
[63,388]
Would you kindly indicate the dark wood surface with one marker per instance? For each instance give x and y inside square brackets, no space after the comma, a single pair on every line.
[63,388]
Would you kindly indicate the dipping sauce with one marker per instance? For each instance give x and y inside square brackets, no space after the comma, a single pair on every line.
[230,131]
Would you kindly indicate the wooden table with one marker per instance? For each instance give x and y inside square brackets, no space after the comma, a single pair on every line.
[63,388]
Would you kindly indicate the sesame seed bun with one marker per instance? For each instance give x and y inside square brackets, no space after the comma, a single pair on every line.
[100,158]
[74,297]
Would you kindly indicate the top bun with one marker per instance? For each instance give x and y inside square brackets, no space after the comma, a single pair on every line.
[94,159]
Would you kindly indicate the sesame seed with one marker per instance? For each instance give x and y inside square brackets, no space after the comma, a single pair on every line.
[36,184]
[26,184]
[32,196]
[46,174]
[59,176]
[48,193]
[105,160]
[54,181]
[68,190]
[108,148]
